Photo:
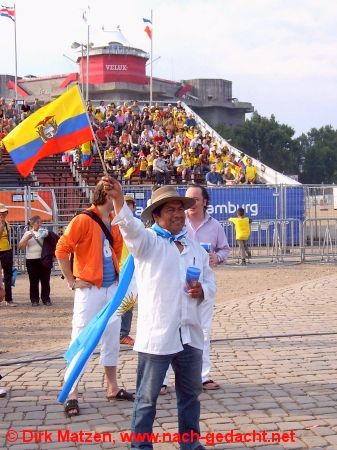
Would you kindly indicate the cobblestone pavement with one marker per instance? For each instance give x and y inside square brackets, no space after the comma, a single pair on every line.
[274,355]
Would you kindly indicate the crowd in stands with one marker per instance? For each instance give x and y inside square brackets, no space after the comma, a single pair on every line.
[157,144]
[162,145]
[11,114]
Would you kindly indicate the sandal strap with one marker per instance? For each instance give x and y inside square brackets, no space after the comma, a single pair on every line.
[72,405]
[122,394]
[127,340]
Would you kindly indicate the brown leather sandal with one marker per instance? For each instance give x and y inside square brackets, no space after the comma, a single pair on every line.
[210,385]
[71,408]
[122,394]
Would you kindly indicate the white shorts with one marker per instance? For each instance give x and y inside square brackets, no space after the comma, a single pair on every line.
[87,303]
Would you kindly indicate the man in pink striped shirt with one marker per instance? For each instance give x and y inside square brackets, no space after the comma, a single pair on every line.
[203,228]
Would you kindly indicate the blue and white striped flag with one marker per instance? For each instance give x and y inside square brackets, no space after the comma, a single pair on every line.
[80,351]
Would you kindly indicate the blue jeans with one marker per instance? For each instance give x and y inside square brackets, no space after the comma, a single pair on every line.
[150,375]
[126,323]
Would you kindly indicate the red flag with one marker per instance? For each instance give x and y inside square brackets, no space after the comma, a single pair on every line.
[148,31]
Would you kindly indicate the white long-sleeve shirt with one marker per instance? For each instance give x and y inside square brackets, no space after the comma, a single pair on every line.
[33,248]
[167,316]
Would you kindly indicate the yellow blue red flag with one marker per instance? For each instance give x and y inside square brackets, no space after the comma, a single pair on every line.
[59,126]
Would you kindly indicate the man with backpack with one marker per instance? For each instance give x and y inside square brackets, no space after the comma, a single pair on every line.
[96,246]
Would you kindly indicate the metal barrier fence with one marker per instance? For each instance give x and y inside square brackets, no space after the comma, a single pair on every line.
[320,240]
[289,223]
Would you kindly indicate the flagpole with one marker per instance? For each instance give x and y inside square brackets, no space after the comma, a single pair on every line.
[87,86]
[105,170]
[16,58]
[151,59]
[82,71]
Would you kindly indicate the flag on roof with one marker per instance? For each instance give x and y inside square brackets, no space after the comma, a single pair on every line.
[148,28]
[55,128]
[7,11]
[86,14]
[148,31]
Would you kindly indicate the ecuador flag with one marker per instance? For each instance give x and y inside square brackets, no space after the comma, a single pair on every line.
[59,126]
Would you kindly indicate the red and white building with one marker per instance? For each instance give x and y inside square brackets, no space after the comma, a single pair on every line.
[117,72]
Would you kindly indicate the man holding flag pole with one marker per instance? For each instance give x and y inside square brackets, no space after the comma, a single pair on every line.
[169,327]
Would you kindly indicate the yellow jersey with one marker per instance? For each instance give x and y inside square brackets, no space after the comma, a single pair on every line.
[85,148]
[143,165]
[4,240]
[242,228]
[250,172]
[186,162]
[219,167]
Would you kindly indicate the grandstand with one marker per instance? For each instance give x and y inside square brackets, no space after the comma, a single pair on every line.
[70,180]
[9,176]
[290,222]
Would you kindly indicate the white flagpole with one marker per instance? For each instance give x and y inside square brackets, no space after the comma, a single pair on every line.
[105,170]
[88,47]
[82,71]
[151,59]
[16,57]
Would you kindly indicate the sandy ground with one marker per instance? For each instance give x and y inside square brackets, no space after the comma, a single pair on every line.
[27,329]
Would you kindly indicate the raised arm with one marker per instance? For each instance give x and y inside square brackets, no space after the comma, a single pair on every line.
[139,241]
[114,190]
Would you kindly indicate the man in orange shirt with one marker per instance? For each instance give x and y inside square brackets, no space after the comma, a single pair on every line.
[94,279]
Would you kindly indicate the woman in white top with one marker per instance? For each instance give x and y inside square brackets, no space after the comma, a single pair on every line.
[32,241]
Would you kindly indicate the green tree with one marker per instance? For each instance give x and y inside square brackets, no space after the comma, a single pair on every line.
[318,150]
[267,140]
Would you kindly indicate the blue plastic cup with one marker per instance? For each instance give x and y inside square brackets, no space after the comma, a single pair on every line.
[192,276]
[206,246]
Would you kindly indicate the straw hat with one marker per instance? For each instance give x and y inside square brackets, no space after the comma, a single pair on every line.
[3,208]
[128,198]
[163,195]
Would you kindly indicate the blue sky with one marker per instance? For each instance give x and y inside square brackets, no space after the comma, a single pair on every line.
[279,54]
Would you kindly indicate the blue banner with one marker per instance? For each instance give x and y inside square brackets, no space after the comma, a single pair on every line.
[261,203]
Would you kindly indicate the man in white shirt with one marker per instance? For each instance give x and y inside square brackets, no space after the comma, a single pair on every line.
[161,171]
[169,330]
